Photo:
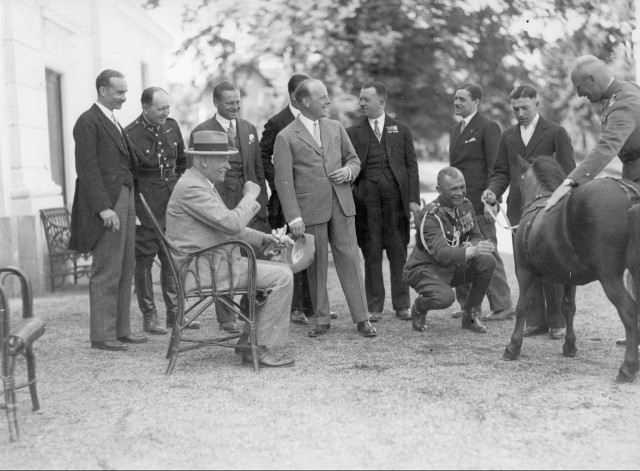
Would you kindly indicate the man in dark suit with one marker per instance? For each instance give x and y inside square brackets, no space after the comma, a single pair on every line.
[473,144]
[315,164]
[533,136]
[386,192]
[103,218]
[245,166]
[301,306]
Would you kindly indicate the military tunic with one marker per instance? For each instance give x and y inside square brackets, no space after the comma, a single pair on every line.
[620,134]
[438,261]
[162,161]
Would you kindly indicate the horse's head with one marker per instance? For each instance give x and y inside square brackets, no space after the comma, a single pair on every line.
[543,176]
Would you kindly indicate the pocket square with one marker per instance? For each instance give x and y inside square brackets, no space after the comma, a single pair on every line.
[470,140]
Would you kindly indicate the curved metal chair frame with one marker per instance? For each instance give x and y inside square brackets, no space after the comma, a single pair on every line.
[63,262]
[202,297]
[18,341]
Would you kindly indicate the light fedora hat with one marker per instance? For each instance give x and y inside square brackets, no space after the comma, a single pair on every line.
[211,143]
[300,255]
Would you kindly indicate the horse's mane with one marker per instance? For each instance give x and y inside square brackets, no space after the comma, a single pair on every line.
[548,172]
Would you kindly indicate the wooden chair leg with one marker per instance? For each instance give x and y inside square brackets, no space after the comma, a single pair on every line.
[10,399]
[31,375]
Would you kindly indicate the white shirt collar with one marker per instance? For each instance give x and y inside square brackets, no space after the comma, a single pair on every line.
[307,123]
[107,112]
[380,120]
[468,118]
[294,111]
[533,124]
[224,122]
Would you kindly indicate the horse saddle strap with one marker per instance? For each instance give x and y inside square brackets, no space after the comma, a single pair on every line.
[631,189]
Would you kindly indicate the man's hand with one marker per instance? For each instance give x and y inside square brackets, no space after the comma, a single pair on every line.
[484,247]
[297,228]
[252,190]
[110,220]
[414,208]
[339,176]
[557,195]
[489,196]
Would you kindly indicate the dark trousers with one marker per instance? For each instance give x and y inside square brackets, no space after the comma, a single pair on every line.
[435,293]
[112,274]
[499,293]
[382,226]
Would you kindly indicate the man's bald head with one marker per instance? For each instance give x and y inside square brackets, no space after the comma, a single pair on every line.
[591,77]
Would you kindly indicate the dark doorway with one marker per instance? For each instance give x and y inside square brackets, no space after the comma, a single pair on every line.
[56,142]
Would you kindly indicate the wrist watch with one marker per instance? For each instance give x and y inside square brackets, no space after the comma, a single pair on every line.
[569,182]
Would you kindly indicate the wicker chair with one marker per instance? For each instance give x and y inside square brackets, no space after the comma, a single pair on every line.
[17,341]
[64,262]
[192,302]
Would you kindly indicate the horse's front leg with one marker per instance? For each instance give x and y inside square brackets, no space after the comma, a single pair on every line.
[569,310]
[628,311]
[525,282]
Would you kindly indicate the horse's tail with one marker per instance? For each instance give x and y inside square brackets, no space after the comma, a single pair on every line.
[633,254]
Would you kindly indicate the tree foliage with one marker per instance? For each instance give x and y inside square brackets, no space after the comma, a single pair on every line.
[421,49]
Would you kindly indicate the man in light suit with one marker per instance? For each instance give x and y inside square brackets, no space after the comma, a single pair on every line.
[301,306]
[246,166]
[473,144]
[103,218]
[197,218]
[386,192]
[532,137]
[315,164]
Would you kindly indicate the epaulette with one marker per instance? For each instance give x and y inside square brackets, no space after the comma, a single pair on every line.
[431,208]
[132,125]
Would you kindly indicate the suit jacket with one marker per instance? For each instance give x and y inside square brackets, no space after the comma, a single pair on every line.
[273,126]
[473,152]
[249,152]
[401,155]
[198,218]
[548,139]
[104,158]
[303,168]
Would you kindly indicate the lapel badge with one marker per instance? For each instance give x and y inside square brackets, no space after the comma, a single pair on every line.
[392,129]
[252,139]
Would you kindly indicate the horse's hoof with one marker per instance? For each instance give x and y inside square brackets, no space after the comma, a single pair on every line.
[510,355]
[625,375]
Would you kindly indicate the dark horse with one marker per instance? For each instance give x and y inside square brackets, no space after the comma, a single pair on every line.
[594,234]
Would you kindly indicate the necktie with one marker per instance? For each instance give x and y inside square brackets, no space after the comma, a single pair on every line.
[316,133]
[113,118]
[376,130]
[231,131]
[462,126]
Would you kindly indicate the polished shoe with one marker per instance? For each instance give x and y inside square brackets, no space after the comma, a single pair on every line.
[501,315]
[622,341]
[457,314]
[298,317]
[194,325]
[557,334]
[375,316]
[110,345]
[471,321]
[267,359]
[530,331]
[319,330]
[133,339]
[230,327]
[333,314]
[151,326]
[403,314]
[418,320]
[366,329]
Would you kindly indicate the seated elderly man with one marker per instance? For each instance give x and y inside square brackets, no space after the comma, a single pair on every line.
[449,252]
[197,218]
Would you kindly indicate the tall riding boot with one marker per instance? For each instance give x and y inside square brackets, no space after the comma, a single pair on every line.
[170,295]
[144,290]
[471,320]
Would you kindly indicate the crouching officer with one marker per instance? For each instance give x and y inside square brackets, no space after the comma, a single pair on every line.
[162,160]
[449,252]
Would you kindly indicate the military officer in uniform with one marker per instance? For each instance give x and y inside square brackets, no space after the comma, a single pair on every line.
[162,160]
[620,124]
[449,252]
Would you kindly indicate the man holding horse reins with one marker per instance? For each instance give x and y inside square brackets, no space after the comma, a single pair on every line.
[532,137]
[620,124]
[450,251]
